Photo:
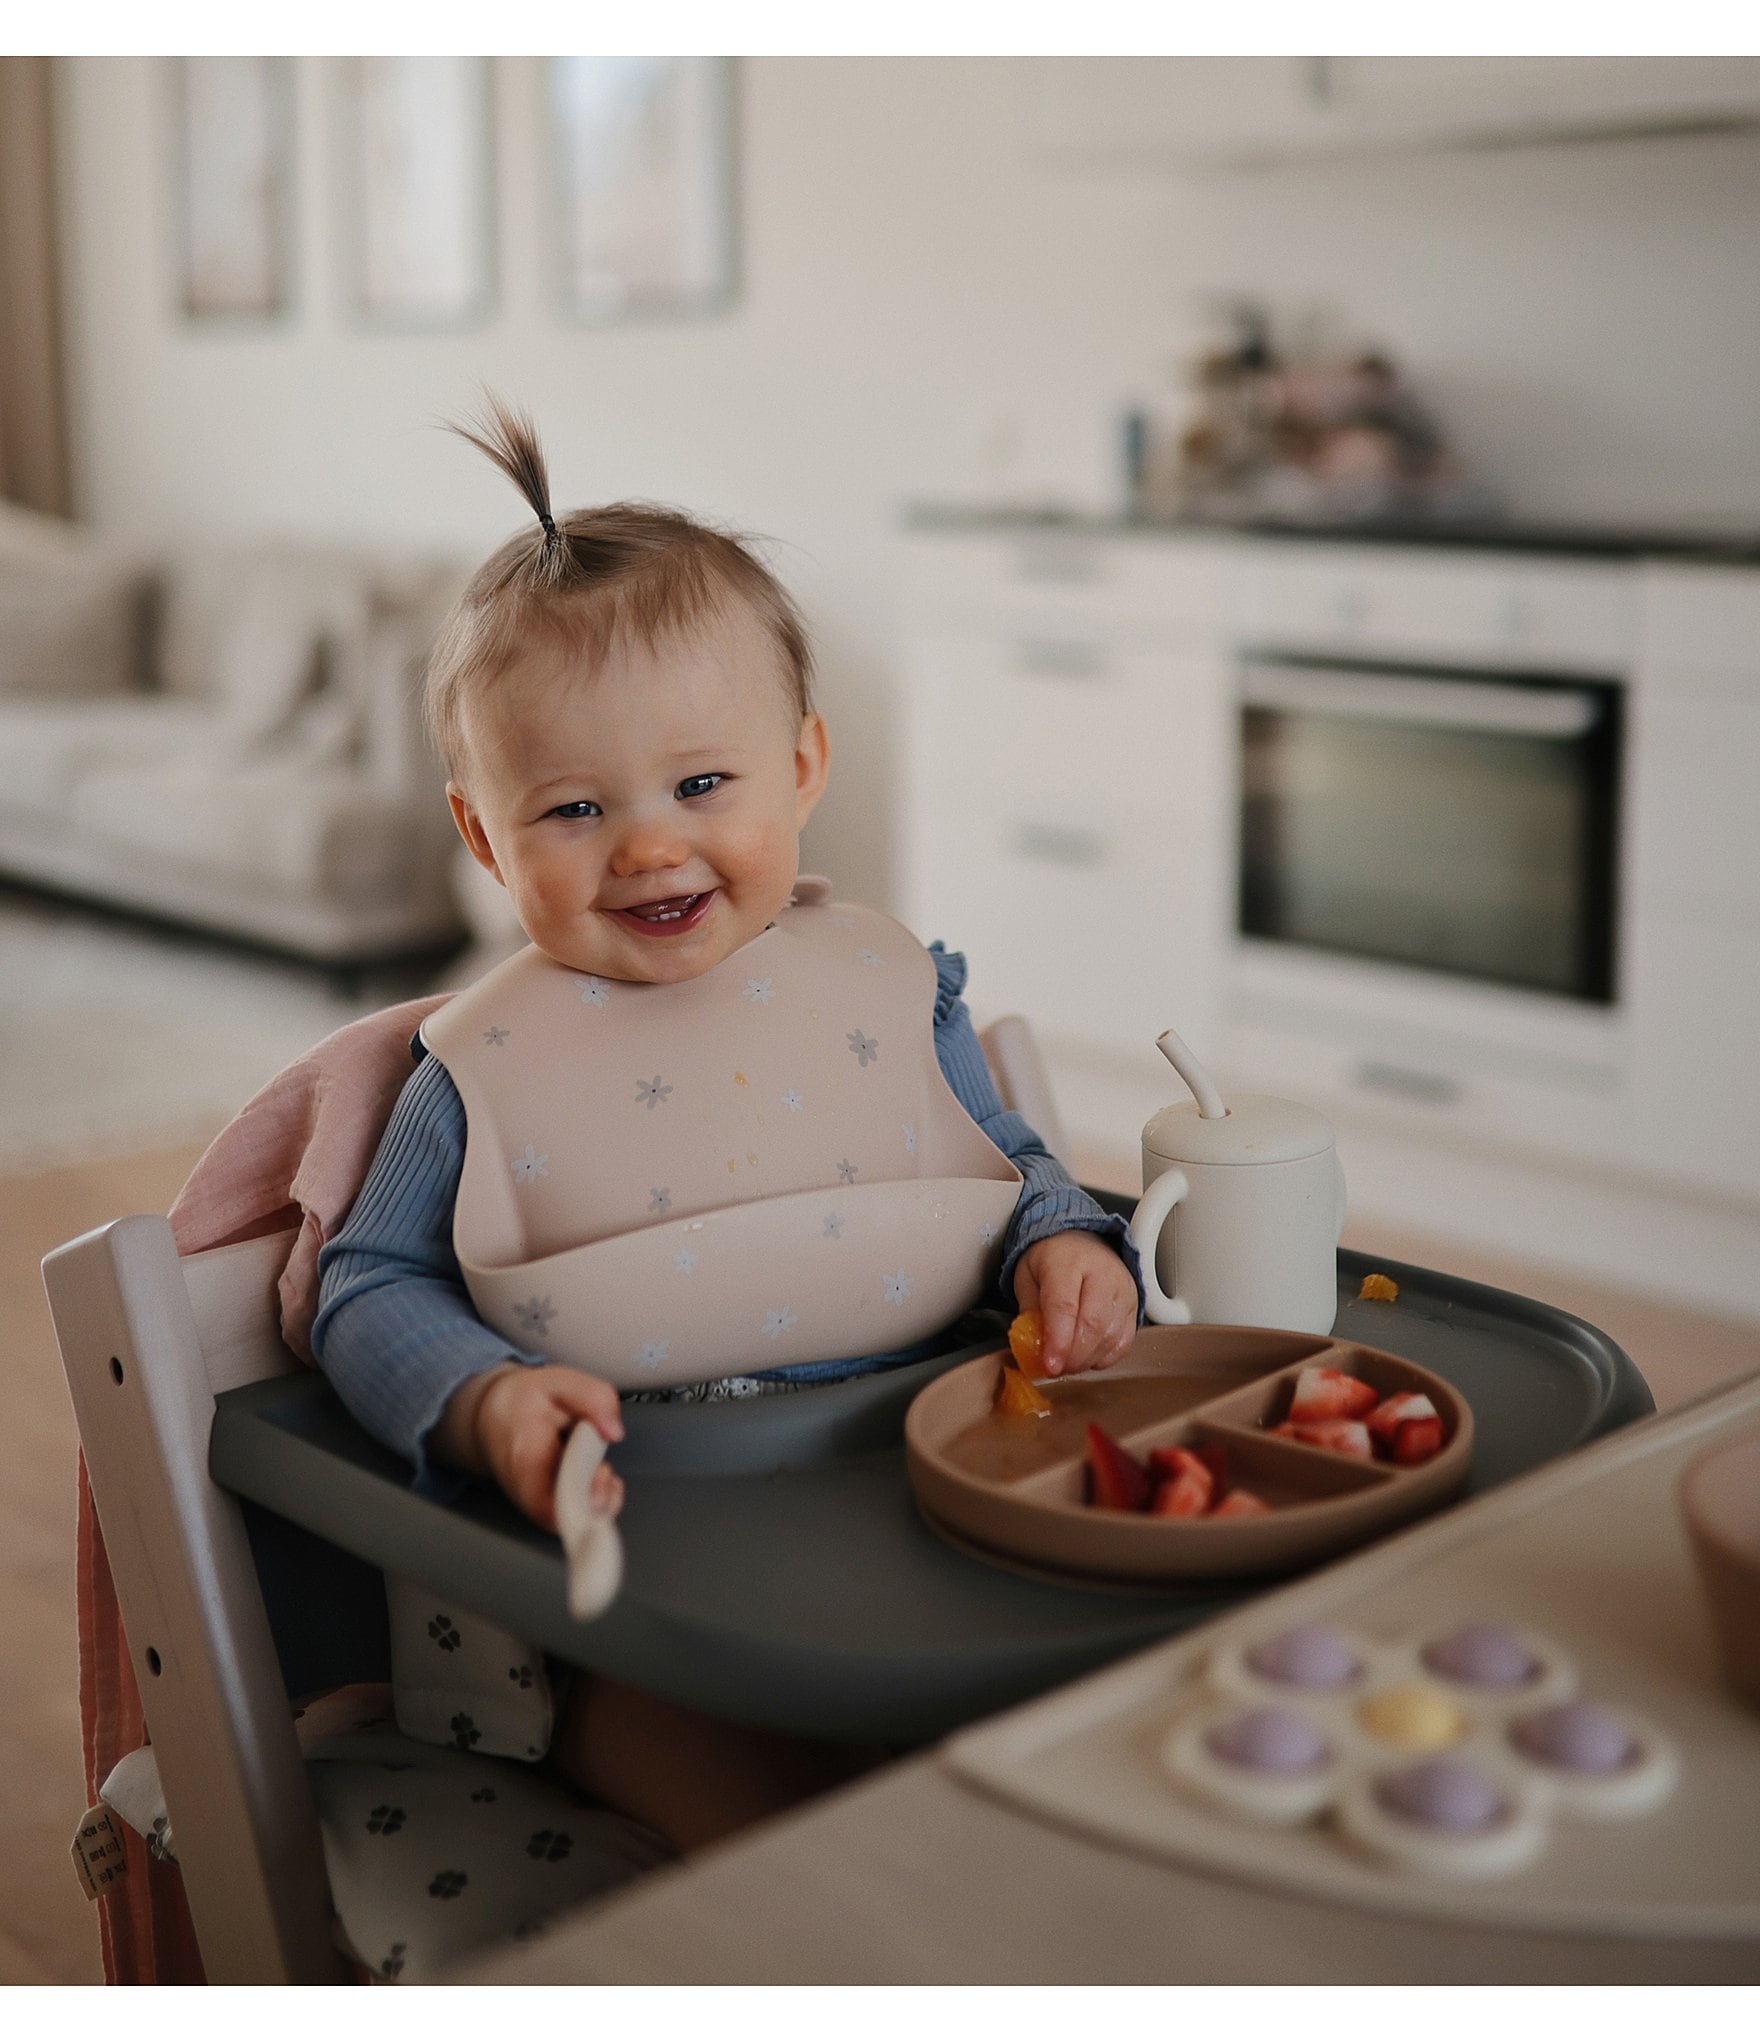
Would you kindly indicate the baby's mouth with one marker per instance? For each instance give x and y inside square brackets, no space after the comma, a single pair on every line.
[674,916]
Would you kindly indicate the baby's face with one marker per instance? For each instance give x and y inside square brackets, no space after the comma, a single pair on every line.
[645,819]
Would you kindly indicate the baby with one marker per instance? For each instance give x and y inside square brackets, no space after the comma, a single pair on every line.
[695,1069]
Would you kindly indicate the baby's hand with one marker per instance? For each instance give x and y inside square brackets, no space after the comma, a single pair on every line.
[512,1423]
[1086,1297]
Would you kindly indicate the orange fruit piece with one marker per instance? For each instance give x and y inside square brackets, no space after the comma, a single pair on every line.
[1026,1339]
[1378,1289]
[1017,1397]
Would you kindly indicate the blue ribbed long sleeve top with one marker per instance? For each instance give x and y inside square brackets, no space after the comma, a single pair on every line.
[396,1332]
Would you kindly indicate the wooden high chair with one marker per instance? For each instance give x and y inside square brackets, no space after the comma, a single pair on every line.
[148,1341]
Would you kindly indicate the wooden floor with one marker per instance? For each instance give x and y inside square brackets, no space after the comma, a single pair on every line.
[47,1929]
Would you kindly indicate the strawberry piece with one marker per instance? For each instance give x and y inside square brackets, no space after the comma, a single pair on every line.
[1337,1434]
[1186,1484]
[1241,1501]
[1187,1494]
[1394,1410]
[1214,1453]
[1324,1392]
[1115,1479]
[1416,1440]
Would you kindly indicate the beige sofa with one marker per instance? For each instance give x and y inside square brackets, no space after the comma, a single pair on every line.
[226,736]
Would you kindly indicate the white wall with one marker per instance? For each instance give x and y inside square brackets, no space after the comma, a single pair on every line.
[925,313]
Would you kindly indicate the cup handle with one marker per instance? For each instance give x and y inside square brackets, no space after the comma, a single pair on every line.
[1146,1223]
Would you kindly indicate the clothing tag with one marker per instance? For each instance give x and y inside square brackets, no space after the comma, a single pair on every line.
[98,1853]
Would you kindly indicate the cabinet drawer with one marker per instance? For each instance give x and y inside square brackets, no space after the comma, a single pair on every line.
[1371,602]
[1085,921]
[1040,578]
[1043,709]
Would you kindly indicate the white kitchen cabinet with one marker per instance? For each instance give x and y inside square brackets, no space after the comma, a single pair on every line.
[1065,776]
[1222,112]
[1693,974]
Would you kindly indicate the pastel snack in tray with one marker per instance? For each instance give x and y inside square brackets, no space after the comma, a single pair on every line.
[1464,1777]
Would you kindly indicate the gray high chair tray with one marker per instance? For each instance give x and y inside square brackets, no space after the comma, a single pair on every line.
[777,1569]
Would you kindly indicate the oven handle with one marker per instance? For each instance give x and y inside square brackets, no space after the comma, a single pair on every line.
[1486,705]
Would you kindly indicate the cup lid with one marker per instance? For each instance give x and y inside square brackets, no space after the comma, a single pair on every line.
[1254,1129]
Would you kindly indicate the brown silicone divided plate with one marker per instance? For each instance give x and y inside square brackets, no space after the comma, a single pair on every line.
[1014,1485]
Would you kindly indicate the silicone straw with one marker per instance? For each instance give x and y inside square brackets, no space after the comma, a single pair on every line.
[1210,1105]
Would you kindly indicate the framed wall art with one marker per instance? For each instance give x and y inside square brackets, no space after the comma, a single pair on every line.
[644,160]
[233,176]
[418,189]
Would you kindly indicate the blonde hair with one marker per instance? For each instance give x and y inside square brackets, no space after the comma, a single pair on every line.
[586,579]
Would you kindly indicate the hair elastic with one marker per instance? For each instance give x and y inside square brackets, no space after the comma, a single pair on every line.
[548,522]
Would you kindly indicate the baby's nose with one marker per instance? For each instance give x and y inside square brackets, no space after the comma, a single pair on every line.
[651,843]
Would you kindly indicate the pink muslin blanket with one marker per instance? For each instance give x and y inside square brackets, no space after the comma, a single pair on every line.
[295,1156]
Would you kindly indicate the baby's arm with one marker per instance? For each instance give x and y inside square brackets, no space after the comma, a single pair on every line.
[1062,1255]
[398,1338]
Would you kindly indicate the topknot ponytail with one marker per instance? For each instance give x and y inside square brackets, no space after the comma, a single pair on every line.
[636,570]
[510,439]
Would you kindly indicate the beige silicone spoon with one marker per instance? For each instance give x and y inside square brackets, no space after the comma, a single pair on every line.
[589,1537]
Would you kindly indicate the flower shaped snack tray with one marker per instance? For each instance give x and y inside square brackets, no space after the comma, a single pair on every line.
[1012,1487]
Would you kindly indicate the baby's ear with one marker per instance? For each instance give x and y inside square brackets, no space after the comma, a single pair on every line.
[470,827]
[812,761]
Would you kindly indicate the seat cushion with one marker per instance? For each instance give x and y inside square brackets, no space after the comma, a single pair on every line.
[432,1855]
[47,747]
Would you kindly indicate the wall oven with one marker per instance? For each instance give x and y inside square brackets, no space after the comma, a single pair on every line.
[1459,824]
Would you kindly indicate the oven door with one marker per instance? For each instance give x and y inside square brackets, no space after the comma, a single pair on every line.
[1452,822]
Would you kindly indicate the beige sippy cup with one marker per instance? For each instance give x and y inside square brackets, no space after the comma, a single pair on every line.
[1242,1206]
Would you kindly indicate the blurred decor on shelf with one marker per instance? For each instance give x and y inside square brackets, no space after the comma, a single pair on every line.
[644,163]
[419,170]
[234,185]
[1305,437]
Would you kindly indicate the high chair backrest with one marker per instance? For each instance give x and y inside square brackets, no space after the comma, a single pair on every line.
[147,1342]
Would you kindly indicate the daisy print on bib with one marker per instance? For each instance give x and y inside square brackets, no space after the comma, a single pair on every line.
[527,1168]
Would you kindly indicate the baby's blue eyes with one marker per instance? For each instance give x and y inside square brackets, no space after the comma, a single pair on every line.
[693,788]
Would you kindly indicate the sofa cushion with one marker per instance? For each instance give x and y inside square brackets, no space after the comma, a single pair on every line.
[47,747]
[247,629]
[72,620]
